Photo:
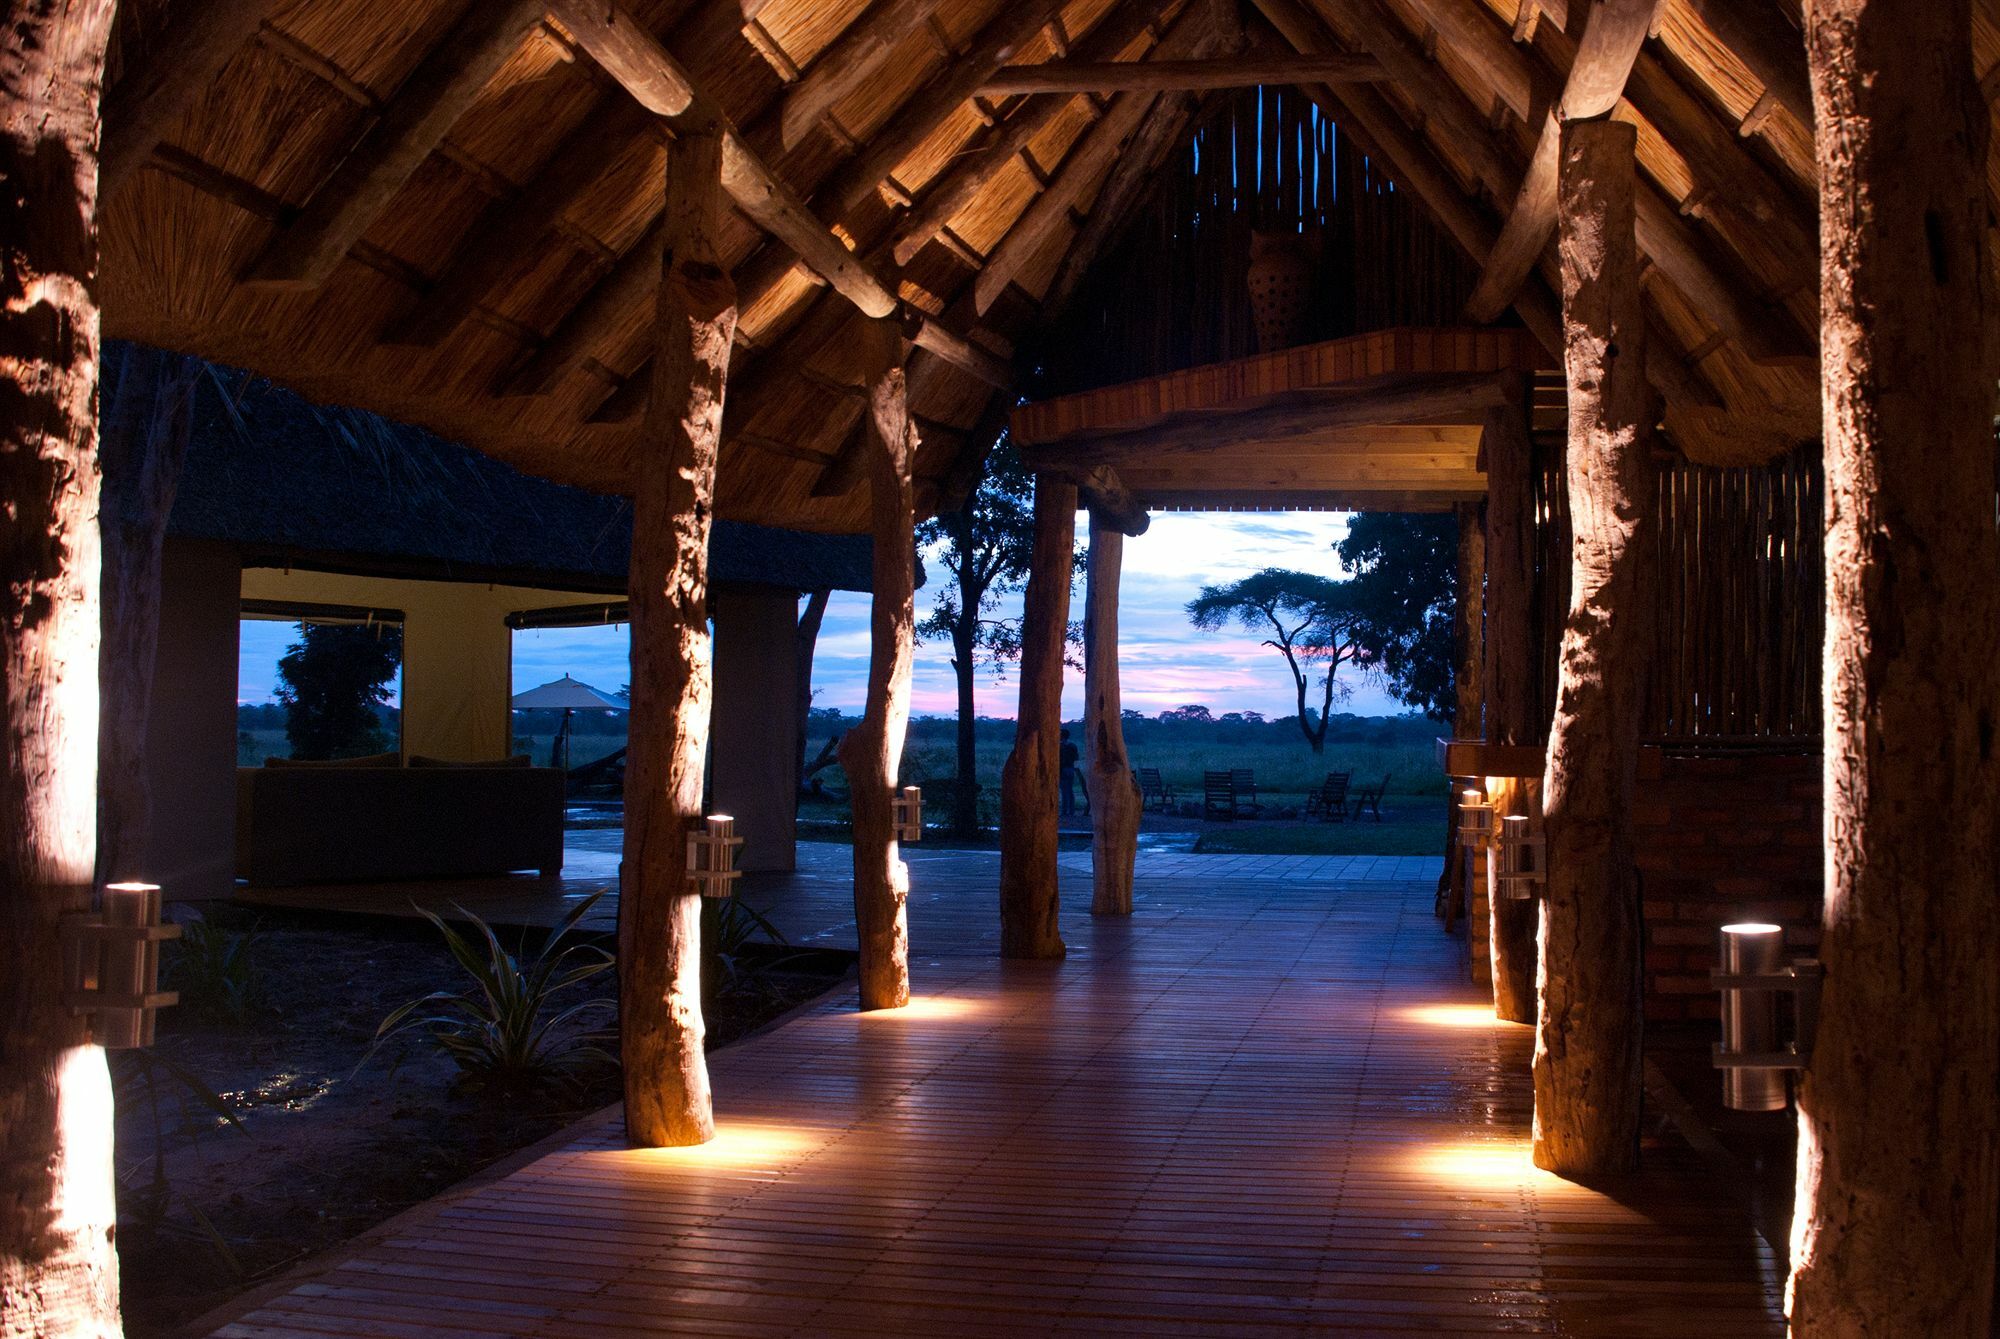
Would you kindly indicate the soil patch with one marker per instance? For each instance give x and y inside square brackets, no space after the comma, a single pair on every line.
[329,1146]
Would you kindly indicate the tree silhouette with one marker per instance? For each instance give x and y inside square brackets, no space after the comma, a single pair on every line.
[1312,624]
[1404,591]
[331,680]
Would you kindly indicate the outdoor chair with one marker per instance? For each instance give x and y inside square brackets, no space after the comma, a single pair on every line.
[1244,781]
[1330,800]
[1368,800]
[1218,795]
[1154,792]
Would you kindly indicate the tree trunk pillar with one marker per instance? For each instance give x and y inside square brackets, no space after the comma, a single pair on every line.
[1029,897]
[872,752]
[659,914]
[1509,680]
[1587,1043]
[1898,1128]
[58,1266]
[1114,796]
[1468,693]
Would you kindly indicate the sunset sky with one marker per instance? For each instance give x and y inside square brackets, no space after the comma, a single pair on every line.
[1166,663]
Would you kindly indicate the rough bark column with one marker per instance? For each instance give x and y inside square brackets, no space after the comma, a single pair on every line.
[1114,795]
[872,752]
[1029,897]
[58,1267]
[1587,1056]
[1510,668]
[1898,1130]
[1469,618]
[659,913]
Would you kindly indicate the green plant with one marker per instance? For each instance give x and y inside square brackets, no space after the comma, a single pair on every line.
[139,1076]
[505,1030]
[727,927]
[214,971]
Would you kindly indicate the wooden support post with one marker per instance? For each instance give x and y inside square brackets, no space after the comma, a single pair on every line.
[1509,677]
[1115,802]
[872,752]
[1898,1128]
[1029,897]
[659,913]
[58,1206]
[146,400]
[1455,882]
[1587,1054]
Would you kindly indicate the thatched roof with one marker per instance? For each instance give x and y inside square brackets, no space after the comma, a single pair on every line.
[291,482]
[441,212]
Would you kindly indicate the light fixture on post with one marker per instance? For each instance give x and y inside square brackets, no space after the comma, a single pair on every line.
[1750,1055]
[712,857]
[907,812]
[111,965]
[1521,874]
[1475,817]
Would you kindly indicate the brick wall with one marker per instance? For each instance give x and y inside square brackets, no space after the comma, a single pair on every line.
[1720,839]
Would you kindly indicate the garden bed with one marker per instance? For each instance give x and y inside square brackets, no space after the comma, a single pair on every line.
[326,1146]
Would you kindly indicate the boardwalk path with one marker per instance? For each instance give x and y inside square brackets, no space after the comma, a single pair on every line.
[1264,1105]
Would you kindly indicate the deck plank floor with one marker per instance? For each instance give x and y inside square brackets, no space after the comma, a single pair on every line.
[1261,1106]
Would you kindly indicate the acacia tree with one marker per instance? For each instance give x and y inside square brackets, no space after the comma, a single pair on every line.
[984,546]
[1312,623]
[1403,591]
[331,680]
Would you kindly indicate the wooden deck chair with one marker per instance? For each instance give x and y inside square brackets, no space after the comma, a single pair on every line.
[1218,795]
[1243,780]
[1330,800]
[1368,800]
[1154,792]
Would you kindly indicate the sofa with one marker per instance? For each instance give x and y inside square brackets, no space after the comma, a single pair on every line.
[371,820]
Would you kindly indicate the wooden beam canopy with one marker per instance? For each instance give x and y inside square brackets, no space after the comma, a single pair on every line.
[1163,75]
[1615,31]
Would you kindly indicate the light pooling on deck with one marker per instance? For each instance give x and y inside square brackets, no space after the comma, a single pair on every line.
[1251,1109]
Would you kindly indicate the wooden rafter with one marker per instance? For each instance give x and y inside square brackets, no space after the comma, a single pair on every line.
[850,62]
[1596,84]
[955,188]
[650,73]
[141,107]
[1163,75]
[1773,50]
[305,253]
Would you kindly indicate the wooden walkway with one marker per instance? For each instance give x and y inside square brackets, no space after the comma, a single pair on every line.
[1259,1107]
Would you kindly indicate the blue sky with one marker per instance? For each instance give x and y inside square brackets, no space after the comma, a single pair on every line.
[1165,661]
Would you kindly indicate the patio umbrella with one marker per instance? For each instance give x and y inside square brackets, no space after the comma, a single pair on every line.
[566,695]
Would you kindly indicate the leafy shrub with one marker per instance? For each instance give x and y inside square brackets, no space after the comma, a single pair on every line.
[505,1030]
[213,969]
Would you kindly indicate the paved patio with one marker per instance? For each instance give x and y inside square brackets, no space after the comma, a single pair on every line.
[1265,1104]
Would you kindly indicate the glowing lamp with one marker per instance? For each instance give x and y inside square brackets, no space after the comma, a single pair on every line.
[111,965]
[712,857]
[1475,818]
[907,811]
[1751,1055]
[1523,871]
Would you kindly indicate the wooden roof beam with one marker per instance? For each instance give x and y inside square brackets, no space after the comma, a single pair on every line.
[848,63]
[1167,75]
[164,80]
[1086,162]
[1004,35]
[1766,42]
[305,253]
[955,188]
[1610,44]
[649,72]
[1111,503]
[1454,397]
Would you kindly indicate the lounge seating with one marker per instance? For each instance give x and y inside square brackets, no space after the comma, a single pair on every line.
[1244,780]
[1154,792]
[1218,796]
[1368,800]
[1330,800]
[384,823]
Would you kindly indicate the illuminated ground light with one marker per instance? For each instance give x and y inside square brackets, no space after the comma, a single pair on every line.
[1483,1165]
[737,1144]
[929,1008]
[1476,1016]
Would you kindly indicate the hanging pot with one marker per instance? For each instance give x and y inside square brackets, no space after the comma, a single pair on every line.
[1282,266]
